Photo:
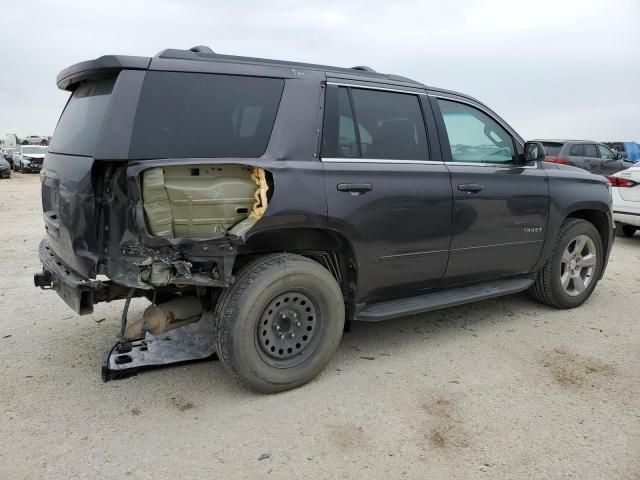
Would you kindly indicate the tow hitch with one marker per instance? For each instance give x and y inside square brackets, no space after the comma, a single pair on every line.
[43,280]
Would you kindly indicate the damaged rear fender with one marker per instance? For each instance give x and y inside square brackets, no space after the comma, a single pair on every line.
[187,221]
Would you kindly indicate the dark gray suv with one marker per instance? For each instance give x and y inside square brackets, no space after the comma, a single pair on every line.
[262,205]
[591,156]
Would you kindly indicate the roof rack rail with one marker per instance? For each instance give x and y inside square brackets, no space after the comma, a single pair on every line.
[363,69]
[201,49]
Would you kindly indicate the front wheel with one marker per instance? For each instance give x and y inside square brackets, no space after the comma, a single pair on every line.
[280,323]
[570,275]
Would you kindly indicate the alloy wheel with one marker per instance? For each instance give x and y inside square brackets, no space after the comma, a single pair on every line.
[578,267]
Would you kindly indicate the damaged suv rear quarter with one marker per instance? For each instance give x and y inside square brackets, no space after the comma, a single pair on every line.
[179,175]
[190,221]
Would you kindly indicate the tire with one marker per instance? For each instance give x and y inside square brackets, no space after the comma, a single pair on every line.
[274,297]
[548,287]
[627,230]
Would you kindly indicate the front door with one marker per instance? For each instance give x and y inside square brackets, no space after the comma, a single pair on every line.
[610,164]
[386,194]
[500,206]
[592,160]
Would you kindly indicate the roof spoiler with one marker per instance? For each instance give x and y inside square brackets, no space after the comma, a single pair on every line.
[99,68]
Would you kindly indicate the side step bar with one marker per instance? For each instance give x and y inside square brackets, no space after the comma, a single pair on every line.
[440,299]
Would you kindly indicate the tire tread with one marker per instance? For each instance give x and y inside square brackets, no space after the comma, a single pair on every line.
[231,297]
[542,290]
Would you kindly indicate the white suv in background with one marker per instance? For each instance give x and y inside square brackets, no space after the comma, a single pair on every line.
[626,199]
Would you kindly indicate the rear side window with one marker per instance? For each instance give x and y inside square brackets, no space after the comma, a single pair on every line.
[552,148]
[577,150]
[81,121]
[387,125]
[182,115]
[339,133]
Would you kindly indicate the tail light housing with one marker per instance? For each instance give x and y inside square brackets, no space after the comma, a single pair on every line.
[621,182]
[561,160]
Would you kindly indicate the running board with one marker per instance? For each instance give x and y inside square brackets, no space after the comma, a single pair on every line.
[441,299]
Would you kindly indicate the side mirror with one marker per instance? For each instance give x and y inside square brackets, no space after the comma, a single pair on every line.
[619,156]
[533,151]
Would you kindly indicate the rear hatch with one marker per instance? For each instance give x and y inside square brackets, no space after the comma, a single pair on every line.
[69,201]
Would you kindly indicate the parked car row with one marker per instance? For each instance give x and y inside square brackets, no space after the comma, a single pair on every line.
[591,156]
[5,168]
[24,158]
[625,194]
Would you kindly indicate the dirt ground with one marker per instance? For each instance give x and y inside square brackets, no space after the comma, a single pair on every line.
[504,389]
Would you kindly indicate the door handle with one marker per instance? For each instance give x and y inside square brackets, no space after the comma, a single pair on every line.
[470,187]
[355,188]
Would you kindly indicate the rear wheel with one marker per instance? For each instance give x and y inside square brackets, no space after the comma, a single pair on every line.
[280,323]
[570,275]
[627,230]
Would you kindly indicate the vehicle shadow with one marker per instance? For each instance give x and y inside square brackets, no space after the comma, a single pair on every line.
[364,342]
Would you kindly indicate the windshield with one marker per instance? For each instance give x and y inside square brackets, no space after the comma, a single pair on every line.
[34,150]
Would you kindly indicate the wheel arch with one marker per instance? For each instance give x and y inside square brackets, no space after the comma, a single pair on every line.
[329,248]
[598,219]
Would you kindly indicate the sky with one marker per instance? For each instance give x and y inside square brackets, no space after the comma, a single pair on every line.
[550,68]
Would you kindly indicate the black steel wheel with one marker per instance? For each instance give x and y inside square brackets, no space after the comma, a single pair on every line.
[280,323]
[286,332]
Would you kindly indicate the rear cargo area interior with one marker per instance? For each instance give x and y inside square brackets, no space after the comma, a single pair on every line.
[203,201]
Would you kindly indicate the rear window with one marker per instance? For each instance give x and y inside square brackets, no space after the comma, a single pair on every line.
[552,148]
[182,115]
[81,121]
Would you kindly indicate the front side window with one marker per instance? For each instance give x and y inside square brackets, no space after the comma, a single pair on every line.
[474,136]
[590,151]
[605,153]
[389,125]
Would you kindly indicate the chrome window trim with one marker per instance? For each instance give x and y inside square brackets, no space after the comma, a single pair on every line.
[493,165]
[371,87]
[380,160]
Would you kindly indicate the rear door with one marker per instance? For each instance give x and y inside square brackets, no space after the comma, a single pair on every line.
[388,190]
[500,206]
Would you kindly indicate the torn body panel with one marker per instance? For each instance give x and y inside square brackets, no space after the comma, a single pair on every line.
[211,206]
[203,201]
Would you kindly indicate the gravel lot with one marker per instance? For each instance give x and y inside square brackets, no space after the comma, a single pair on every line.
[500,389]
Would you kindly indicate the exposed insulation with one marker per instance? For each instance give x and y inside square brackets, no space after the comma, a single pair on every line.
[203,201]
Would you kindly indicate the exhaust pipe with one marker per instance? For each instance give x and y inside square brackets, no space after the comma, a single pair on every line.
[166,316]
